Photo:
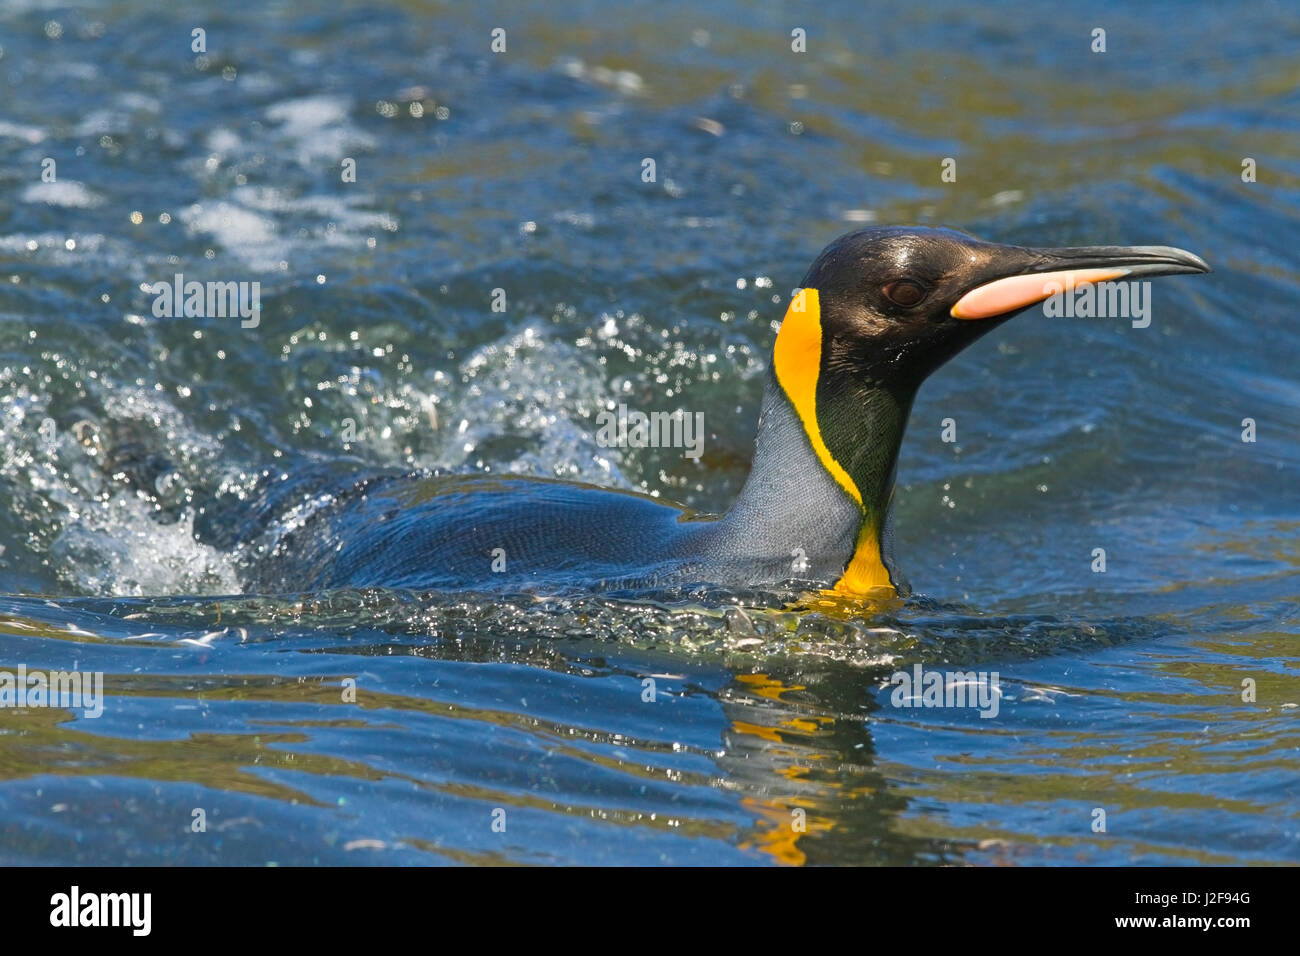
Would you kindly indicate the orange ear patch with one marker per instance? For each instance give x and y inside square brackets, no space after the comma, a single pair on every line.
[797,359]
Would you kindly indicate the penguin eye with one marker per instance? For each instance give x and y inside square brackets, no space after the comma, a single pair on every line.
[904,292]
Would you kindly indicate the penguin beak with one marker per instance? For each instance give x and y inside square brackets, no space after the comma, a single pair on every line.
[1047,272]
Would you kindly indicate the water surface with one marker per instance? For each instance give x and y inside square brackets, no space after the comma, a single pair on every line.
[521,171]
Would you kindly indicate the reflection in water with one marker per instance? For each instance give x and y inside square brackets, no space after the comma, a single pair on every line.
[806,755]
[765,754]
[779,748]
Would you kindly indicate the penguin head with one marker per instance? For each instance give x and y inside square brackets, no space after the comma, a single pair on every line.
[881,309]
[878,311]
[896,303]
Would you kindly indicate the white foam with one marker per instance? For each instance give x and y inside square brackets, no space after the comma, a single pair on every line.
[67,193]
[28,134]
[318,126]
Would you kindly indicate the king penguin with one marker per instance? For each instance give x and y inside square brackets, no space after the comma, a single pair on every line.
[876,313]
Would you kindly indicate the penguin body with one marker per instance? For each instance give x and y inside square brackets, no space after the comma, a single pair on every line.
[334,527]
[877,312]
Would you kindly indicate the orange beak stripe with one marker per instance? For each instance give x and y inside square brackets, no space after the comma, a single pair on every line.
[1016,292]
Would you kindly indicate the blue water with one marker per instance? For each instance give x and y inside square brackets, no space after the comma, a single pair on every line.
[1122,692]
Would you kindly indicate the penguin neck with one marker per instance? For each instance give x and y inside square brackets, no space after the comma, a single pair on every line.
[804,500]
[861,425]
[825,455]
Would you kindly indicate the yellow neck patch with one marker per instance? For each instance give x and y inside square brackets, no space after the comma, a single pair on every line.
[797,359]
